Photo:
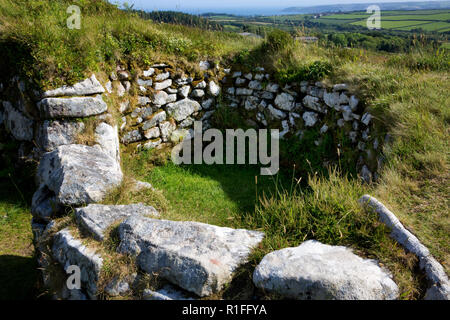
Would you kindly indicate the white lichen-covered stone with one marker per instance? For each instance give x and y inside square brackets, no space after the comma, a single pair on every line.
[197,257]
[315,271]
[331,99]
[154,120]
[118,287]
[340,87]
[310,118]
[184,91]
[182,109]
[201,85]
[197,93]
[143,101]
[213,89]
[152,133]
[132,136]
[79,174]
[160,98]
[313,103]
[284,101]
[69,251]
[152,144]
[107,137]
[204,65]
[162,85]
[162,76]
[276,114]
[255,85]
[84,88]
[243,92]
[366,118]
[285,128]
[96,218]
[272,87]
[207,104]
[144,83]
[166,129]
[366,175]
[353,103]
[251,103]
[71,107]
[149,72]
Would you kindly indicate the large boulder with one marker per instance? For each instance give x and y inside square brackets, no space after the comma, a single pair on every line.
[197,257]
[52,134]
[77,107]
[79,174]
[97,218]
[321,272]
[69,251]
[84,88]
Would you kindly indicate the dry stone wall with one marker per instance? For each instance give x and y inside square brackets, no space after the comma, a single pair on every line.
[158,107]
[169,101]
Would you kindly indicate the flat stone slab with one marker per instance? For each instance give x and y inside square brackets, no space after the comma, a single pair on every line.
[96,218]
[69,251]
[77,107]
[84,88]
[78,174]
[197,257]
[315,271]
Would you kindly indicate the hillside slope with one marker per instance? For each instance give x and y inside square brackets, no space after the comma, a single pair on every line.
[407,93]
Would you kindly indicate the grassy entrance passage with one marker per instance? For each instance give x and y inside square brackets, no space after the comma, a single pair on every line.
[288,210]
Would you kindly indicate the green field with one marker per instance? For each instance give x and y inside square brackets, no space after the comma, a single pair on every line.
[427,20]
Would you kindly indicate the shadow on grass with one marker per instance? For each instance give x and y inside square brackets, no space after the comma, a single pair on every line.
[243,184]
[18,278]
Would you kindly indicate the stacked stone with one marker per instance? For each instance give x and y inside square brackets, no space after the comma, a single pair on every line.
[167,105]
[297,107]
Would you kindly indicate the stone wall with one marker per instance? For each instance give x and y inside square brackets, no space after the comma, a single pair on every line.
[169,101]
[158,107]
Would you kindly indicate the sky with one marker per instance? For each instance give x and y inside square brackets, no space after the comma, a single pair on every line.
[183,5]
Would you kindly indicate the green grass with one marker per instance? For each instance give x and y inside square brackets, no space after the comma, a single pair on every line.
[19,274]
[34,38]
